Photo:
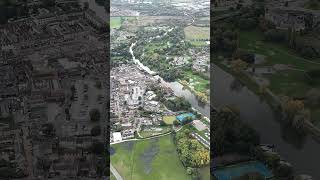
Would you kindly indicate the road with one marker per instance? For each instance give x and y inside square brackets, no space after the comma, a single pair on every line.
[115,173]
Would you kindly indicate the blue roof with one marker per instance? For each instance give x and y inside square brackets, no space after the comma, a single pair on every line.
[183,117]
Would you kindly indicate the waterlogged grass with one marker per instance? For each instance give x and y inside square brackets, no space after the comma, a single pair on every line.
[154,159]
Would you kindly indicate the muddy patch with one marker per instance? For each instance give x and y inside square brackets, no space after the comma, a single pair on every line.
[148,155]
[128,146]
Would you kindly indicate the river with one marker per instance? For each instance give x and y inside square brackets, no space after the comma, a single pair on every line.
[177,88]
[302,153]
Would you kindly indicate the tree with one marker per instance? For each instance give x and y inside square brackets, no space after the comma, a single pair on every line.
[85,5]
[238,65]
[96,131]
[272,159]
[98,84]
[284,170]
[48,129]
[176,123]
[94,115]
[48,3]
[97,148]
[291,107]
[313,96]
[263,89]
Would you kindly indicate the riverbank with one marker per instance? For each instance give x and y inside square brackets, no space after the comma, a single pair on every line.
[175,86]
[272,100]
[298,150]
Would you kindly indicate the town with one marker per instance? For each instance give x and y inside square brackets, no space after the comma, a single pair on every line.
[160,90]
[53,120]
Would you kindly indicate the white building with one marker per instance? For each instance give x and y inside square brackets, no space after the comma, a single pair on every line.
[117,137]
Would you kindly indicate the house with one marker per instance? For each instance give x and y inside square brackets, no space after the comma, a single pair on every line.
[117,137]
[153,106]
[296,18]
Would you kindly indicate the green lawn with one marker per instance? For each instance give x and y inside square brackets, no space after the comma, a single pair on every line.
[196,35]
[196,82]
[112,177]
[115,22]
[194,32]
[205,173]
[289,82]
[292,83]
[275,53]
[169,119]
[164,163]
[145,134]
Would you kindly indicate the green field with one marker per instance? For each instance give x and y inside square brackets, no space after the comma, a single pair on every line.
[145,134]
[169,119]
[194,32]
[204,173]
[115,22]
[112,177]
[196,82]
[289,82]
[154,159]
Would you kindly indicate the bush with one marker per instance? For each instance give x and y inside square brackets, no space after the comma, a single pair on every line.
[97,148]
[96,131]
[247,23]
[275,35]
[94,115]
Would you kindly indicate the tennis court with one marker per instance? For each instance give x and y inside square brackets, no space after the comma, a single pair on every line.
[230,172]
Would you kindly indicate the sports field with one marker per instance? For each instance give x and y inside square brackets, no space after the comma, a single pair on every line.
[154,159]
[168,119]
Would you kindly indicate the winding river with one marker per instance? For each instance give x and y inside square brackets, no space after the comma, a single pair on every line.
[302,153]
[177,88]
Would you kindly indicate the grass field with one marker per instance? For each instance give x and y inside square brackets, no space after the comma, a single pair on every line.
[169,119]
[145,134]
[112,177]
[287,82]
[196,82]
[193,32]
[204,173]
[197,36]
[290,82]
[154,159]
[115,22]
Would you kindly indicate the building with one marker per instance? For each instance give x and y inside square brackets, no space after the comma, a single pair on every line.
[296,18]
[183,117]
[117,137]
